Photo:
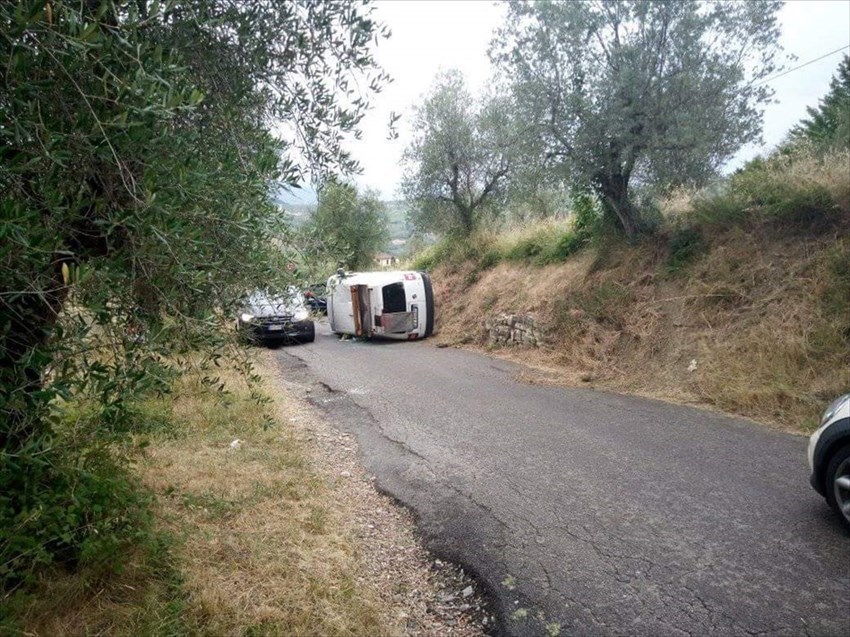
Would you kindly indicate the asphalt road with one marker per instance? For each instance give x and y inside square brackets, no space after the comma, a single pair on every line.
[593,512]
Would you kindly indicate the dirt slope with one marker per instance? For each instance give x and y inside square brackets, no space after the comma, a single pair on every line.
[757,323]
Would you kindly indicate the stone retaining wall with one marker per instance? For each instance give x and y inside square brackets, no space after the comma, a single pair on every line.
[512,329]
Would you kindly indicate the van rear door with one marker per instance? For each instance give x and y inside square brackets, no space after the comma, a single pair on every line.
[395,317]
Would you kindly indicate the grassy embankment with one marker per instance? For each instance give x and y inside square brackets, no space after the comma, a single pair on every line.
[751,281]
[251,540]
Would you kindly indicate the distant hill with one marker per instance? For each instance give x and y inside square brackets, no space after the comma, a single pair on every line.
[298,213]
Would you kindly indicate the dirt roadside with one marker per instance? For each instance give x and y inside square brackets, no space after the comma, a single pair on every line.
[422,595]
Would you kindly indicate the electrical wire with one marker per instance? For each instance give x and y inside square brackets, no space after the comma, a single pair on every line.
[786,72]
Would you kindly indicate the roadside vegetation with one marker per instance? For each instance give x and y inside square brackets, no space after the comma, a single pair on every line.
[141,143]
[245,533]
[346,230]
[736,294]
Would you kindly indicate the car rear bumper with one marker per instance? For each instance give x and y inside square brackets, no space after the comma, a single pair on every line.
[291,331]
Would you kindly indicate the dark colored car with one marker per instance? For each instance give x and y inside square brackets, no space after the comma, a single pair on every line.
[829,457]
[316,297]
[267,318]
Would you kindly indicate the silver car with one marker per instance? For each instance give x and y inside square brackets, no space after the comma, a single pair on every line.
[267,318]
[829,457]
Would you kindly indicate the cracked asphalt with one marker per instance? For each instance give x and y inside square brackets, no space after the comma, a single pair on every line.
[586,512]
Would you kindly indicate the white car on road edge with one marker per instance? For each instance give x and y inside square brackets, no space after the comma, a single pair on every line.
[829,457]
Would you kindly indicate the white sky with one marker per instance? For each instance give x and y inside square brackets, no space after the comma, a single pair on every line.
[429,35]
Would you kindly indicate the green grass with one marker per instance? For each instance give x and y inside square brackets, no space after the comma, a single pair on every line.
[803,193]
[540,243]
[685,246]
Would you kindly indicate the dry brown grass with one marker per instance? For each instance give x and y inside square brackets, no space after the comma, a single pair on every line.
[270,538]
[264,552]
[831,171]
[753,311]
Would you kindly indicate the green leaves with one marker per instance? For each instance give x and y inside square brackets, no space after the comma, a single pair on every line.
[348,227]
[828,125]
[660,91]
[139,143]
[460,158]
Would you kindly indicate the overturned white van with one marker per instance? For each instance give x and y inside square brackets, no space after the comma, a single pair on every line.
[397,305]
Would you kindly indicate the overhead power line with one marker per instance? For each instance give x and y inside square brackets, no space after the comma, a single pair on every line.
[786,72]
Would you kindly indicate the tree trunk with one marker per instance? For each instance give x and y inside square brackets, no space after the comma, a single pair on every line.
[614,190]
[467,220]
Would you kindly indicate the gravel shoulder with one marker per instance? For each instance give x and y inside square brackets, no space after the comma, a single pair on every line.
[421,595]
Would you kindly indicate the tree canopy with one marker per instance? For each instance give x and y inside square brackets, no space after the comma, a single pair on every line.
[639,90]
[350,227]
[139,140]
[460,157]
[829,123]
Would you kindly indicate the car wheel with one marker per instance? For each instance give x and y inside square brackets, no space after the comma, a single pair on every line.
[310,336]
[838,483]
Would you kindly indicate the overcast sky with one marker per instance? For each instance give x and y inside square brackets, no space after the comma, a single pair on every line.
[430,35]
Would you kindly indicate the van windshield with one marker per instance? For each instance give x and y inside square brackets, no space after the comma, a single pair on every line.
[394,298]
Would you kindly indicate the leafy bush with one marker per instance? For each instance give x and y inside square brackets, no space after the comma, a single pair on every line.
[526,249]
[69,504]
[434,255]
[719,210]
[490,258]
[587,215]
[765,188]
[139,218]
[453,249]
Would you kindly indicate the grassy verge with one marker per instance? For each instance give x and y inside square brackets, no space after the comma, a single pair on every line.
[246,542]
[739,300]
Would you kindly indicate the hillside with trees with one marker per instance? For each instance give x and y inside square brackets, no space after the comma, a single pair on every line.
[733,294]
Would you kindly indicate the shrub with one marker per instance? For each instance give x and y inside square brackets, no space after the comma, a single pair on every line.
[489,259]
[767,188]
[452,249]
[796,188]
[430,257]
[722,210]
[587,215]
[67,504]
[525,249]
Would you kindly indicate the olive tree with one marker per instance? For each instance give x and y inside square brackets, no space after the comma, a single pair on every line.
[639,90]
[139,141]
[348,226]
[460,157]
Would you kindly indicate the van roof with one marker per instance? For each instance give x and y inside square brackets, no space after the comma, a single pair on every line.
[377,278]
